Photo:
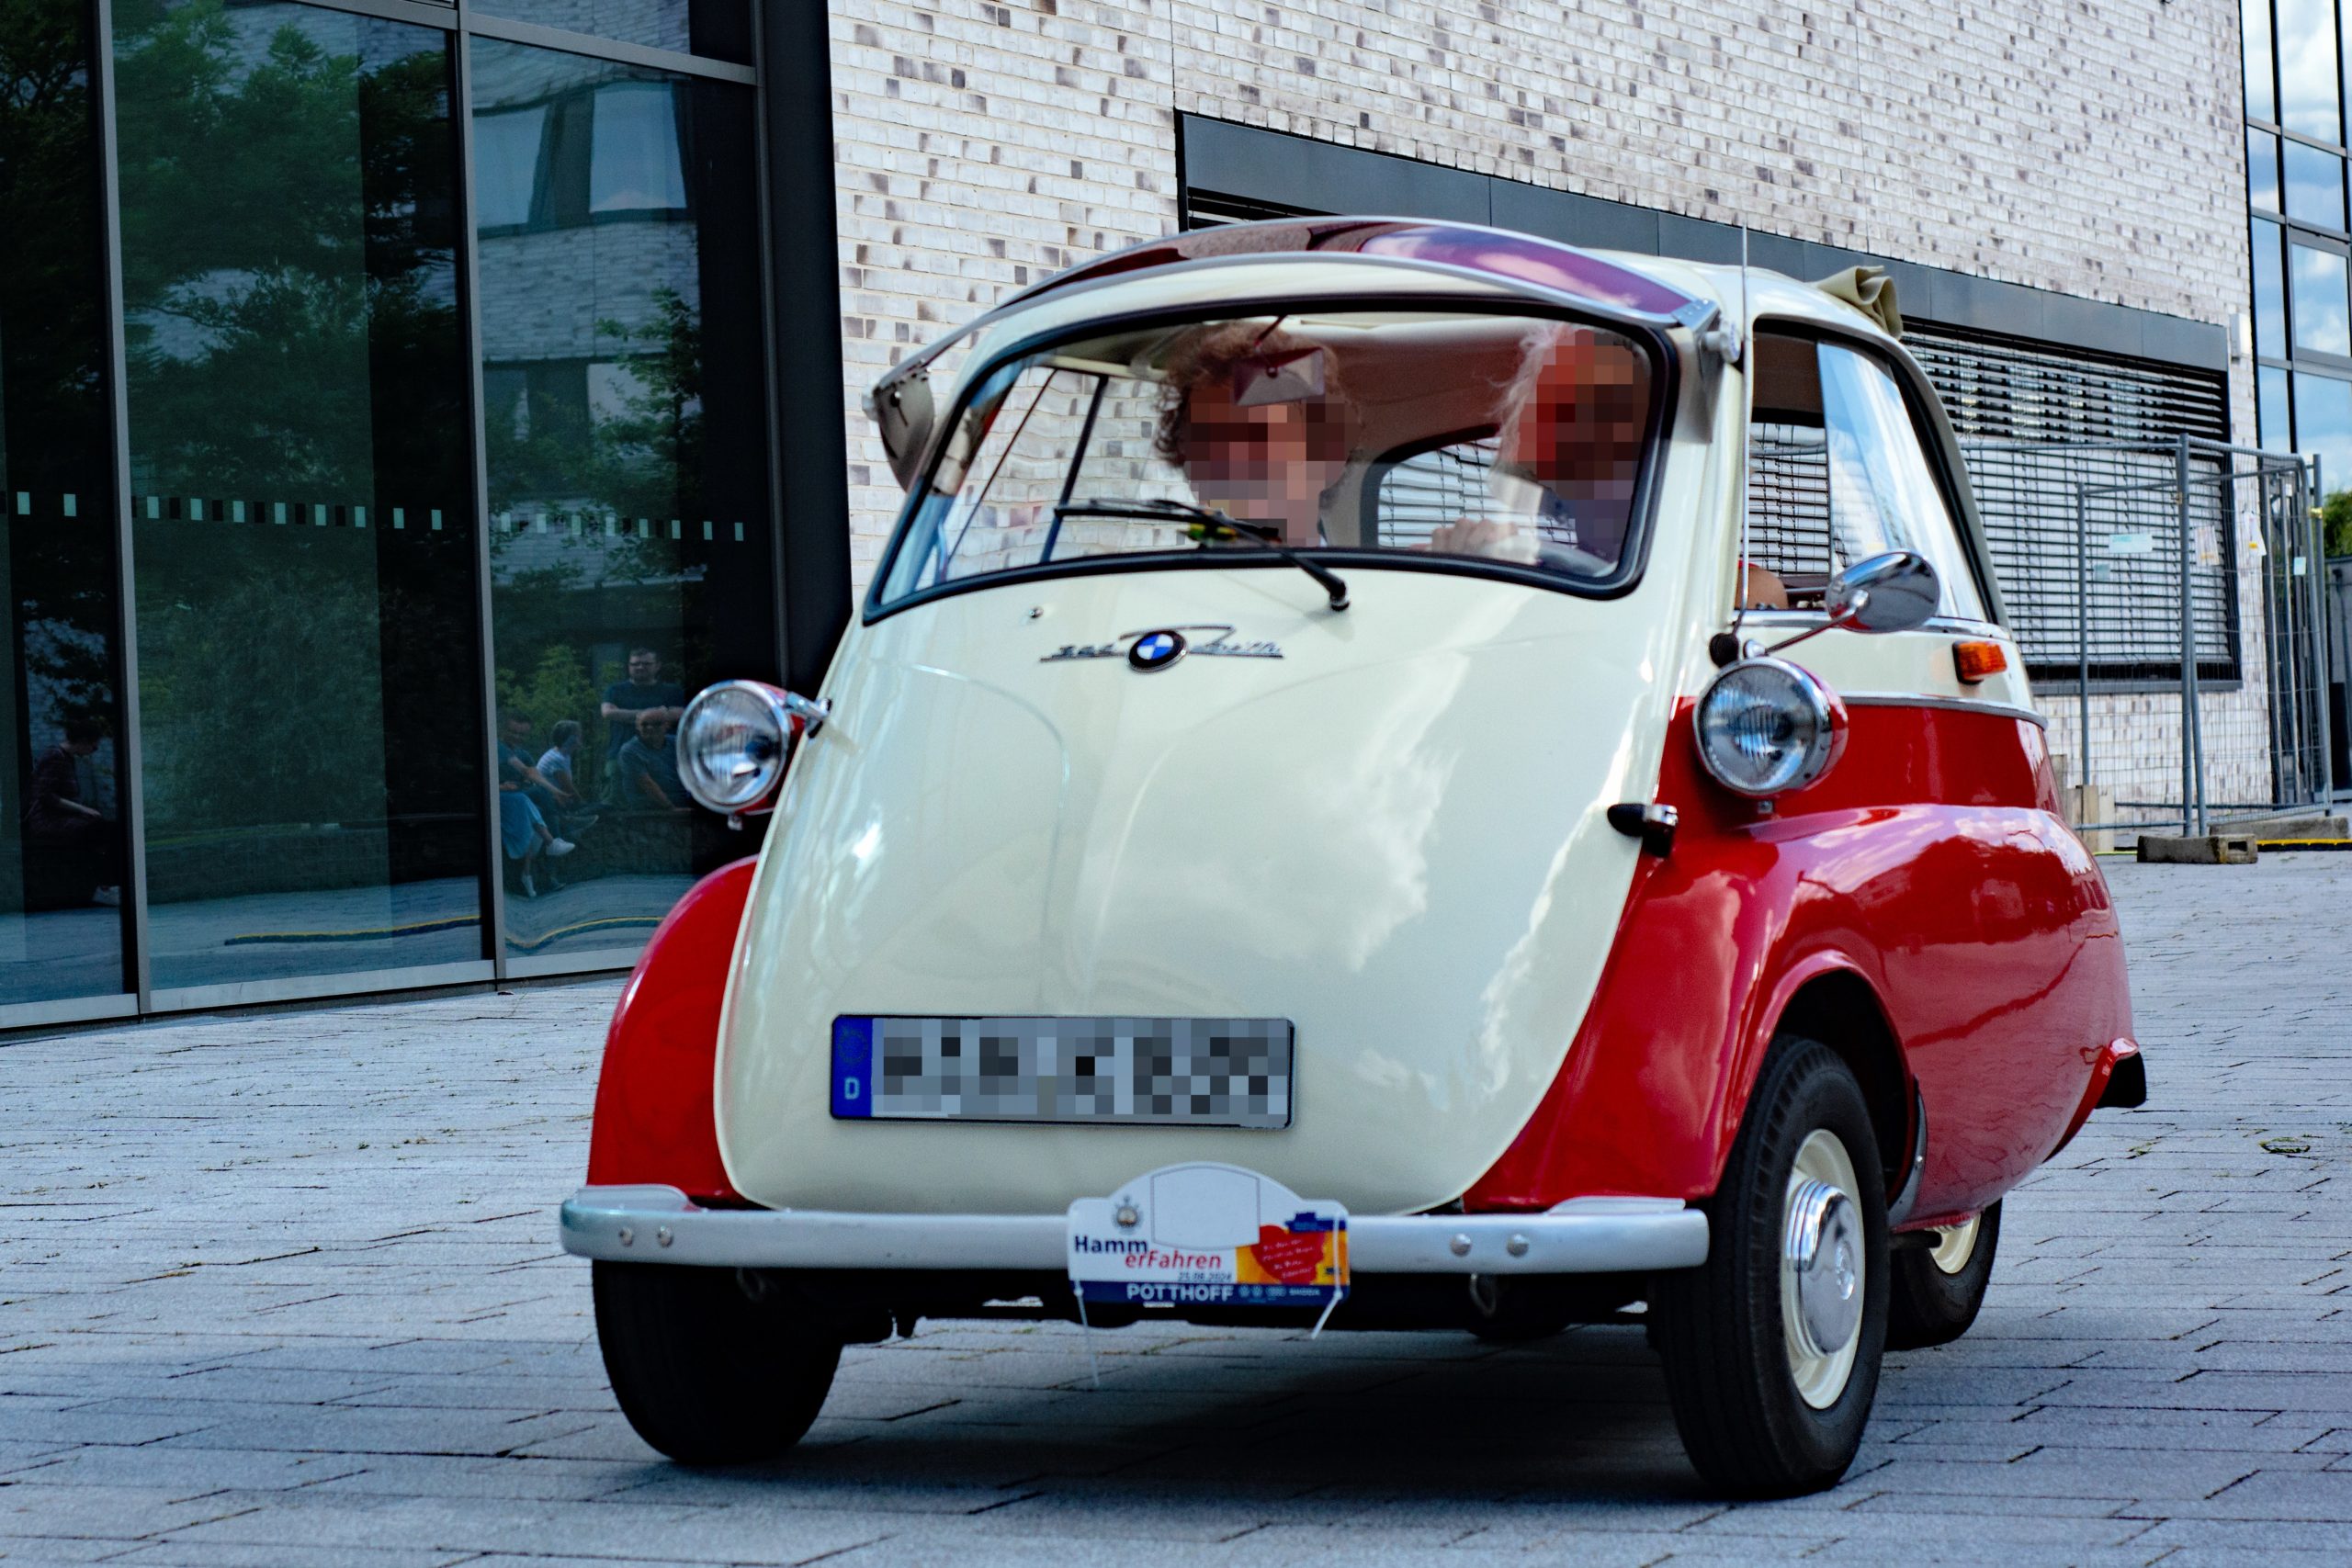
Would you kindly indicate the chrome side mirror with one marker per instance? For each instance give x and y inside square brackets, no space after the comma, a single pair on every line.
[1896,592]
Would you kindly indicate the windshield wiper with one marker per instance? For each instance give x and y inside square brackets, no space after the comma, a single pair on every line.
[1207,527]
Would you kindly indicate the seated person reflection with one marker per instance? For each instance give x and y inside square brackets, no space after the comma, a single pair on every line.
[523,831]
[574,810]
[75,837]
[1259,424]
[643,692]
[649,768]
[1567,454]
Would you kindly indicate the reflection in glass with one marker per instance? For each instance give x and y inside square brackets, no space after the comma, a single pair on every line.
[2271,408]
[507,166]
[2262,170]
[2319,306]
[633,153]
[2256,28]
[626,430]
[2309,70]
[2324,425]
[720,29]
[2314,186]
[299,492]
[61,827]
[2270,291]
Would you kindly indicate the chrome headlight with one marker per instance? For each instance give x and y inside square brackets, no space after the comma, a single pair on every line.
[733,743]
[1764,726]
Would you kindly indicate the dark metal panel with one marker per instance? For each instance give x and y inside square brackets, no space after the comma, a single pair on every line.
[1696,239]
[1987,305]
[1298,170]
[1299,173]
[1574,220]
[812,446]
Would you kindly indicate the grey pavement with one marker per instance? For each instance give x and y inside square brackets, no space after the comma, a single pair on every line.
[282,1289]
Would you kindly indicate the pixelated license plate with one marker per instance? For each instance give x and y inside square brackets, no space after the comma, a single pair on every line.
[1206,1235]
[1189,1072]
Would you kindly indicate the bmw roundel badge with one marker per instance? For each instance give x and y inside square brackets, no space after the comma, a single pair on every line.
[1157,650]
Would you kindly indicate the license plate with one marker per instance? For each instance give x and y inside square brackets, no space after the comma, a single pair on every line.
[1192,1072]
[1206,1234]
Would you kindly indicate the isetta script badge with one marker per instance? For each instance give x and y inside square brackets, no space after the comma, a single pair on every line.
[1208,1234]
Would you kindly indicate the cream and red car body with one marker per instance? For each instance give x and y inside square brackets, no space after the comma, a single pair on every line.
[1518,1028]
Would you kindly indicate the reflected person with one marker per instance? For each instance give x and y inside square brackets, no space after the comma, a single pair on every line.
[648,766]
[76,838]
[556,768]
[643,692]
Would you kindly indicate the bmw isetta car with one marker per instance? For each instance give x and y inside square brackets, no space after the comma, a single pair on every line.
[1392,774]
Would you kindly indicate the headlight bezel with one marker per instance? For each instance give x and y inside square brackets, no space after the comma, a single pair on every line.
[1807,697]
[697,768]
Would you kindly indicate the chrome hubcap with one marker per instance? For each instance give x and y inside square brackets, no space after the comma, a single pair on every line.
[1956,1245]
[1822,1281]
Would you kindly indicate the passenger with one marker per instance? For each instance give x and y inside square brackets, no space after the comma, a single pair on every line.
[1259,424]
[1568,456]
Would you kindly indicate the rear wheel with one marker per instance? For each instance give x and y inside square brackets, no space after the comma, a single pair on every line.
[1771,1347]
[1938,1290]
[705,1372]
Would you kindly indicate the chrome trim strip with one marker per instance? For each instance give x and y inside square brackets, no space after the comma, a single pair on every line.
[1954,704]
[660,1224]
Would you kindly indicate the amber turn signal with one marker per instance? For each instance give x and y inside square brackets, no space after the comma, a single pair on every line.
[1975,661]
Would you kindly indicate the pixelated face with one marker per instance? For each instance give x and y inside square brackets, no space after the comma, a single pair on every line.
[643,666]
[1258,460]
[651,726]
[1585,416]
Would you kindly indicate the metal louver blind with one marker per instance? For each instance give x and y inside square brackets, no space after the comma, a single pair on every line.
[2043,429]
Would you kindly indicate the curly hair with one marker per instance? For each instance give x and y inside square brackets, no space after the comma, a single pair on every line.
[1206,354]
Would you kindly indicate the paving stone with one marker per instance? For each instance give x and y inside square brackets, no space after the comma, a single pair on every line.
[257,1343]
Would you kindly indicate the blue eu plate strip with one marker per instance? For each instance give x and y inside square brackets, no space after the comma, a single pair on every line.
[852,1068]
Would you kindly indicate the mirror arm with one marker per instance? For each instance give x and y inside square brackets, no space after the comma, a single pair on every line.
[1844,615]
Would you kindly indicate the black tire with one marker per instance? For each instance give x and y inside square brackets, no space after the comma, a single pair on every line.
[1927,1306]
[1720,1327]
[704,1372]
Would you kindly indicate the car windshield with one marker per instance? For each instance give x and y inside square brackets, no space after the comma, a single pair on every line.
[1432,433]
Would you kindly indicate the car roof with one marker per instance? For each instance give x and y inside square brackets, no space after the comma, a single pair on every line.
[1300,258]
[1619,280]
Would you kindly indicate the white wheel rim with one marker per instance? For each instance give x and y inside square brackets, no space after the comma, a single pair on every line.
[1956,1245]
[1823,1278]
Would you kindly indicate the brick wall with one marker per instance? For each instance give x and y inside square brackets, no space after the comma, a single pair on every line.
[2094,148]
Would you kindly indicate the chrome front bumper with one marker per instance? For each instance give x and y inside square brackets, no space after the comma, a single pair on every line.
[661,1225]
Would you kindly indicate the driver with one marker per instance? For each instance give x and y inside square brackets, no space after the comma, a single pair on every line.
[1259,424]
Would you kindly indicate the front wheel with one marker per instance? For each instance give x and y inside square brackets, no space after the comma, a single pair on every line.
[1939,1288]
[704,1371]
[1771,1347]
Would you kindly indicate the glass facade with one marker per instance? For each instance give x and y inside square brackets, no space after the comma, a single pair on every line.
[63,914]
[381,471]
[627,473]
[2297,65]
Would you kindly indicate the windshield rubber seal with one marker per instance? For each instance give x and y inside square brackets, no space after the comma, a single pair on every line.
[1665,388]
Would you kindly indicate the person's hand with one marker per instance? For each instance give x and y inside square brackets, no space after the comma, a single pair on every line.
[1495,541]
[509,787]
